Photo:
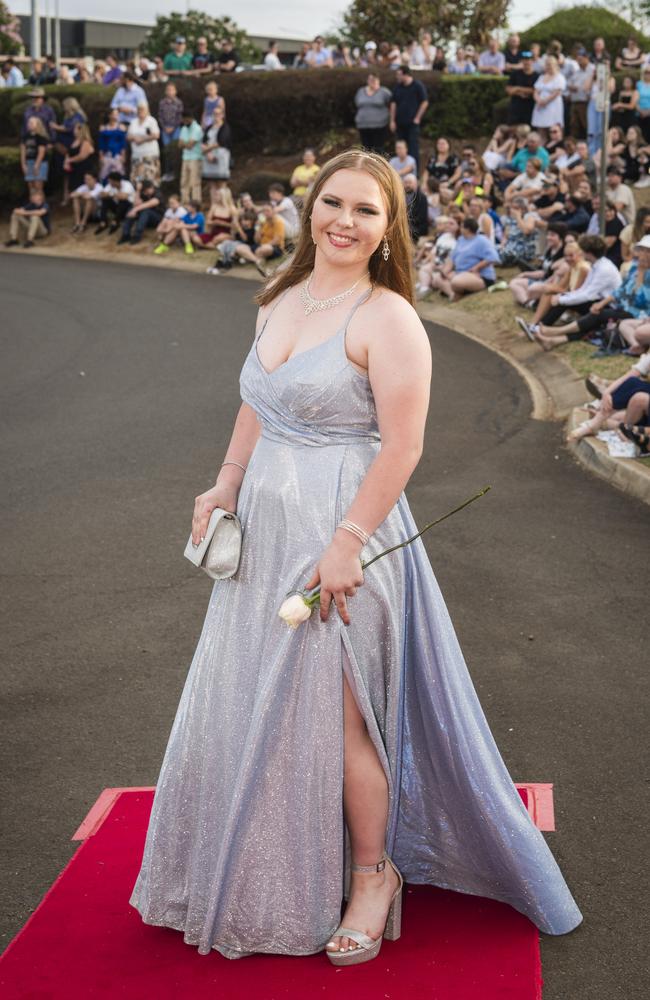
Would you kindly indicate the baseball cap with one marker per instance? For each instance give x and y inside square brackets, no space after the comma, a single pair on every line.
[179,39]
[644,242]
[36,92]
[527,54]
[370,45]
[581,51]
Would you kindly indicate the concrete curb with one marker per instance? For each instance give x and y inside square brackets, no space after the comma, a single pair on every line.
[556,390]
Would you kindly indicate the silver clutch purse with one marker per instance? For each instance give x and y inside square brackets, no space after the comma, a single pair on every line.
[220,551]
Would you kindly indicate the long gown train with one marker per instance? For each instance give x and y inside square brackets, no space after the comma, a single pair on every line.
[247,849]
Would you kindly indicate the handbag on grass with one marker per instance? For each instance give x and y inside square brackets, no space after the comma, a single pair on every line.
[220,551]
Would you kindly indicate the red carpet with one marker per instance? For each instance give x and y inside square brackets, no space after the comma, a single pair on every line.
[85,940]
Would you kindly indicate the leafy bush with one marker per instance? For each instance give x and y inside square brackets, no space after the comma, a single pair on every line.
[12,185]
[580,25]
[93,98]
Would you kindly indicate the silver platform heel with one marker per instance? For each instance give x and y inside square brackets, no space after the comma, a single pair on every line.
[369,947]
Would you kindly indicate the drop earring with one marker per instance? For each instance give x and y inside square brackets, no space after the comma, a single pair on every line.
[385,251]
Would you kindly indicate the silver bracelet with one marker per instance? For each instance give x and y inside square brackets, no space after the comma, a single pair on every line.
[233,463]
[362,535]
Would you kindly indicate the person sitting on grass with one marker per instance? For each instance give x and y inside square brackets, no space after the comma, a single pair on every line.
[268,245]
[519,234]
[603,279]
[631,300]
[116,198]
[31,221]
[188,229]
[145,213]
[570,274]
[528,287]
[470,266]
[168,227]
[624,406]
[86,200]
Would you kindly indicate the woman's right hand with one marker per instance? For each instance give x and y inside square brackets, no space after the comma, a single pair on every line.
[221,495]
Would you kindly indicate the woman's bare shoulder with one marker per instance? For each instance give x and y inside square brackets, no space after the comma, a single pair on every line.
[390,311]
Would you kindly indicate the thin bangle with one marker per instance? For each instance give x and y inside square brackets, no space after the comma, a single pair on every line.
[362,535]
[233,463]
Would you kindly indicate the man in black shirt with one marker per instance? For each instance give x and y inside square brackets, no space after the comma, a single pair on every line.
[417,208]
[407,106]
[227,59]
[202,61]
[513,55]
[145,214]
[520,91]
[31,220]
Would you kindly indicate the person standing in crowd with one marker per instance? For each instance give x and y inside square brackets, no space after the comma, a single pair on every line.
[407,107]
[39,108]
[579,88]
[113,71]
[417,208]
[203,60]
[304,175]
[38,75]
[599,53]
[11,75]
[190,142]
[549,97]
[271,58]
[492,61]
[424,53]
[34,162]
[29,222]
[127,97]
[372,102]
[86,200]
[216,152]
[81,156]
[178,62]
[170,119]
[143,134]
[641,102]
[319,55]
[461,65]
[117,197]
[520,90]
[211,102]
[112,145]
[145,213]
[513,55]
[227,58]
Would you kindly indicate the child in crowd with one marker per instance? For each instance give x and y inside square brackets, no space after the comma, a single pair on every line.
[211,102]
[168,226]
[191,228]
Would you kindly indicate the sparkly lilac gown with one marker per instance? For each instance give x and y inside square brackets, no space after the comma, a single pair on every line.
[247,849]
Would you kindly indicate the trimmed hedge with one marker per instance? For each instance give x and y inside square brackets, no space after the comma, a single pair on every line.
[278,113]
[580,25]
[12,186]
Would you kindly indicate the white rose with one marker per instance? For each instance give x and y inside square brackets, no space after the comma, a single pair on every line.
[294,610]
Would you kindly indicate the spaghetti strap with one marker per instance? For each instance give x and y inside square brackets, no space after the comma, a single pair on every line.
[276,303]
[367,292]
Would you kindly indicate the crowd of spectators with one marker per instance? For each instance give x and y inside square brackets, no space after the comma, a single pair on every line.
[528,200]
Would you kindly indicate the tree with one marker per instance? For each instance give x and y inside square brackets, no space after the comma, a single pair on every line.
[10,38]
[399,22]
[196,24]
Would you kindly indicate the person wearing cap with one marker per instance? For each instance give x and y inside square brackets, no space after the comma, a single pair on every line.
[39,108]
[579,88]
[630,300]
[178,62]
[408,104]
[619,193]
[520,90]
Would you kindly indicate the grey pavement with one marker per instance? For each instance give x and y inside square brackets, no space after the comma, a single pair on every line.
[119,387]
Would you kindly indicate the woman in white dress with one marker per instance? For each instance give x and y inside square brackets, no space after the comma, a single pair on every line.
[548,93]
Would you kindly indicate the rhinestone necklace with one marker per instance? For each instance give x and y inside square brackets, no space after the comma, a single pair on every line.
[315,305]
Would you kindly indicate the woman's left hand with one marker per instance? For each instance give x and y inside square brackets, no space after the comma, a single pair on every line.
[339,573]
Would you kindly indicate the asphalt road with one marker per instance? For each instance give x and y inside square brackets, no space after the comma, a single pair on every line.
[119,386]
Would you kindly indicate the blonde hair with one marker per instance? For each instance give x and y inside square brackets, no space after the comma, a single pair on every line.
[71,106]
[395,273]
[39,128]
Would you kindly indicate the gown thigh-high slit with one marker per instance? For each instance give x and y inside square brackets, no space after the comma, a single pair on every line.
[247,849]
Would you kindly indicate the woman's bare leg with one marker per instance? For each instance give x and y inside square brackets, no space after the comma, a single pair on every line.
[365,804]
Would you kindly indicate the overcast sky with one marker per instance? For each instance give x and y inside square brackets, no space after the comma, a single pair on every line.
[302,18]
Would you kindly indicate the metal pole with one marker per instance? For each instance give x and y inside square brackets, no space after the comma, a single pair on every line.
[602,104]
[35,31]
[48,28]
[57,34]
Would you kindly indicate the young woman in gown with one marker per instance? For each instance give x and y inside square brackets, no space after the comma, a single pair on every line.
[332,760]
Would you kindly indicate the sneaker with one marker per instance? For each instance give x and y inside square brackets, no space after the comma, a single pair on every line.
[28,243]
[421,292]
[189,248]
[213,270]
[644,182]
[167,178]
[526,328]
[498,286]
[260,267]
[161,248]
[11,243]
